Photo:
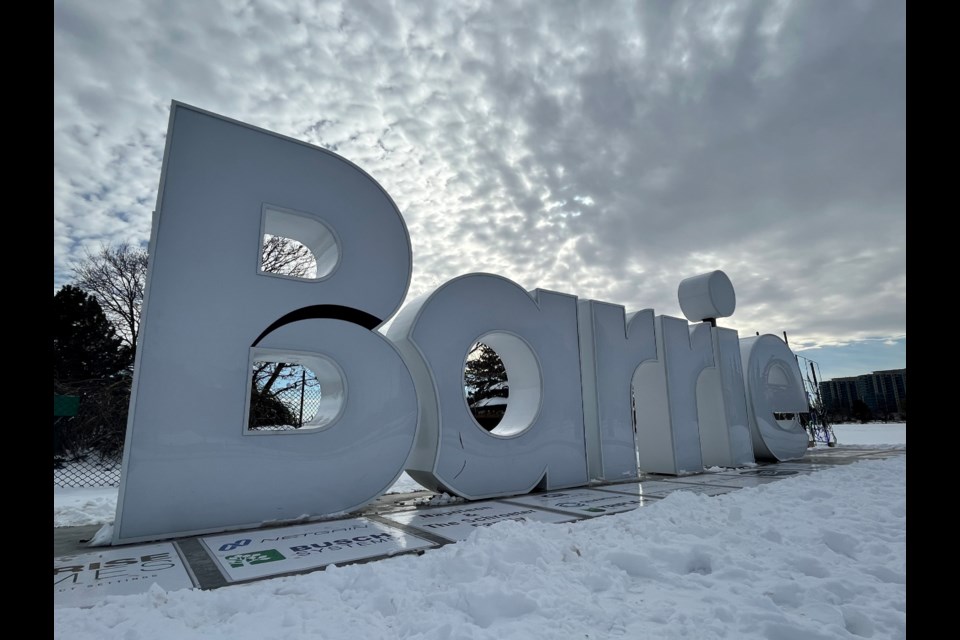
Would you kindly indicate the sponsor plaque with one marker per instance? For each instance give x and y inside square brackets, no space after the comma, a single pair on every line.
[84,579]
[458,522]
[663,488]
[803,467]
[583,502]
[738,482]
[641,488]
[248,555]
[763,472]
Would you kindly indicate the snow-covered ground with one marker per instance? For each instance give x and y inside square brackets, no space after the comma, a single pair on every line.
[807,557]
[871,433]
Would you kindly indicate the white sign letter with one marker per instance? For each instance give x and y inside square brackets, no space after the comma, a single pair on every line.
[540,440]
[611,349]
[191,464]
[775,397]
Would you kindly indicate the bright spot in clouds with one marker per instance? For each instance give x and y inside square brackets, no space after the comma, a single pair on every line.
[607,150]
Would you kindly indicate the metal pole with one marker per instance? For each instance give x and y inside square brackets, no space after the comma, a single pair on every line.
[303,386]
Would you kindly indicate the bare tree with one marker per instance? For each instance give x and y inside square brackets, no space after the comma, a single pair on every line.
[290,258]
[116,277]
[287,257]
[278,390]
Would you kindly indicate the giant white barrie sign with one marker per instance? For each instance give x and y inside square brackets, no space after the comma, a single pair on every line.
[592,389]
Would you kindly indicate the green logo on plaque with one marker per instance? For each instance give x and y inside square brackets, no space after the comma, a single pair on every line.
[254,557]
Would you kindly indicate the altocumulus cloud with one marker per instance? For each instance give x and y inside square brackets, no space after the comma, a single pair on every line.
[605,149]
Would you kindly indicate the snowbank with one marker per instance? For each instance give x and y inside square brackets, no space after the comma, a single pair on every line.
[813,556]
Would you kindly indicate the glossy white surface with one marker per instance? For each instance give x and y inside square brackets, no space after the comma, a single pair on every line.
[668,433]
[574,368]
[84,580]
[721,406]
[308,231]
[708,295]
[190,466]
[453,452]
[612,346]
[248,555]
[458,522]
[773,385]
[584,503]
[524,379]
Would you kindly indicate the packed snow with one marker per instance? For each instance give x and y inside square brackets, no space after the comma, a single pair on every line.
[806,557]
[871,433]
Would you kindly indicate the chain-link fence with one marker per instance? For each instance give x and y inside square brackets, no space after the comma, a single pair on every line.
[89,425]
[86,470]
[88,453]
[284,396]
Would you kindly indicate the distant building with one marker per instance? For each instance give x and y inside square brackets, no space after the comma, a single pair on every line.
[838,394]
[884,392]
[889,390]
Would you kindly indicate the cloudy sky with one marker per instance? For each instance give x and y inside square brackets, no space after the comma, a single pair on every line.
[604,149]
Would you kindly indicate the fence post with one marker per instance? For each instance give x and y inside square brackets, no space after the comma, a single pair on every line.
[303,388]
